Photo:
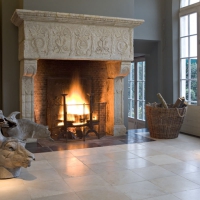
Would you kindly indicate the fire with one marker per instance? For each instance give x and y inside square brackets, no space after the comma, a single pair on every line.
[76,99]
[77,103]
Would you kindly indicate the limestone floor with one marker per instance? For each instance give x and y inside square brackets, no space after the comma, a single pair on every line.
[151,170]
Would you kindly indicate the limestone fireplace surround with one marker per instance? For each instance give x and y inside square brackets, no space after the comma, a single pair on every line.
[67,36]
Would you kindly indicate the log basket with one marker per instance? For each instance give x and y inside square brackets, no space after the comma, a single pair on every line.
[164,123]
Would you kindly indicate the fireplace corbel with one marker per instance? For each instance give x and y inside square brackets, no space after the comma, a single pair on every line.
[28,69]
[119,127]
[116,78]
[66,36]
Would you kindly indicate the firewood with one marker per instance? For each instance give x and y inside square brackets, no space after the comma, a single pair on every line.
[164,104]
[182,102]
[177,103]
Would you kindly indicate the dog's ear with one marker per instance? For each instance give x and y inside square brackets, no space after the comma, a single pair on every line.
[12,116]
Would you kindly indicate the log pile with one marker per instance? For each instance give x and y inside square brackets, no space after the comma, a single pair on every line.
[180,102]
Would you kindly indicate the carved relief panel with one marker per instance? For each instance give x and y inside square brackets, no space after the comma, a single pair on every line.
[47,40]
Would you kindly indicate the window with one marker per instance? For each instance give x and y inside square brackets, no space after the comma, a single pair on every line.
[131,92]
[189,48]
[188,57]
[136,90]
[188,2]
[141,90]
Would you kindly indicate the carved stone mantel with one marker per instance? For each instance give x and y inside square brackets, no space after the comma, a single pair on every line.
[66,36]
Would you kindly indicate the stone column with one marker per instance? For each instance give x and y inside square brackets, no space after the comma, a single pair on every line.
[28,70]
[119,128]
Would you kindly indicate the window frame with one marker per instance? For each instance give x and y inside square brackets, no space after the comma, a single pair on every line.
[134,82]
[131,93]
[189,3]
[194,8]
[143,81]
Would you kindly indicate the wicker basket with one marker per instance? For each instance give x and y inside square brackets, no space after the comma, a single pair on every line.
[164,123]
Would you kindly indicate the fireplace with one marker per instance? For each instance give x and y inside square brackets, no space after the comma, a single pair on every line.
[55,45]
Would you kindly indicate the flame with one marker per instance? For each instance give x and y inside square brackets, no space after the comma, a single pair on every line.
[76,99]
[77,103]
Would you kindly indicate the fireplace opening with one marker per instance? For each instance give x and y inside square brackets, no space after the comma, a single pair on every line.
[83,90]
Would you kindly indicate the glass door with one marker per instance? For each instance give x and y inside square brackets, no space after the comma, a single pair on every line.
[136,94]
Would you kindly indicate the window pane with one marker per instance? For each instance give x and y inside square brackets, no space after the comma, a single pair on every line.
[140,110]
[144,71]
[132,90]
[183,88]
[140,90]
[193,90]
[144,111]
[193,1]
[129,93]
[193,46]
[184,69]
[131,109]
[184,47]
[184,3]
[193,23]
[140,71]
[187,95]
[132,74]
[184,26]
[193,66]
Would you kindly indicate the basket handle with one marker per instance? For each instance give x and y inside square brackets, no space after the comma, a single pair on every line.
[179,112]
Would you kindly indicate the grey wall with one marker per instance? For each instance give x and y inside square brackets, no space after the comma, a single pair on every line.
[158,39]
[152,73]
[10,63]
[148,41]
[114,8]
[151,12]
[1,55]
[171,51]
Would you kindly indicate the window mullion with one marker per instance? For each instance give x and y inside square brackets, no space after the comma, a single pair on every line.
[198,63]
